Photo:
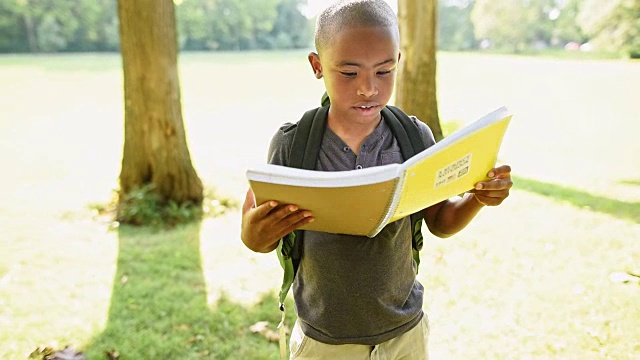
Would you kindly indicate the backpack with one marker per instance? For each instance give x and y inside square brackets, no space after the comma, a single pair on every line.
[303,155]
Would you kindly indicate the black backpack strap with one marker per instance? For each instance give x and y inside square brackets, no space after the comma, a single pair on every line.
[303,155]
[306,141]
[409,137]
[410,142]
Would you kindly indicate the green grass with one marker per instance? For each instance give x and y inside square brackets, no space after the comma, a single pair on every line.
[630,182]
[159,305]
[561,54]
[533,285]
[616,208]
[526,280]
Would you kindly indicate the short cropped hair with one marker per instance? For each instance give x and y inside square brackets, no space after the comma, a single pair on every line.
[352,13]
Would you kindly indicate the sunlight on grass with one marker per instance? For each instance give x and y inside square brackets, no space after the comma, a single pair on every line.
[160,310]
[533,284]
[58,285]
[232,269]
[620,209]
[574,121]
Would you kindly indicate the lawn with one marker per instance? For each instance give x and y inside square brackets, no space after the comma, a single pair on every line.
[531,279]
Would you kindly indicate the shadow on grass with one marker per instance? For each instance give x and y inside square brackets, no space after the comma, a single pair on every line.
[620,209]
[159,305]
[635,182]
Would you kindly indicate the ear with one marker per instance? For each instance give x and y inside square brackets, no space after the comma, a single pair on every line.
[316,66]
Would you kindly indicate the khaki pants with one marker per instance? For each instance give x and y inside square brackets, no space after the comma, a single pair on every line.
[411,345]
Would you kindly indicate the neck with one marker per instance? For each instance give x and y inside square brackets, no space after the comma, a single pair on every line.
[353,133]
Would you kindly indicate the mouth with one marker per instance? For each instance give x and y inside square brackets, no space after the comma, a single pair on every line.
[366,105]
[366,109]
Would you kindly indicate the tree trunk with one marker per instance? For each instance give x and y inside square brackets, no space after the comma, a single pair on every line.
[416,91]
[29,27]
[155,147]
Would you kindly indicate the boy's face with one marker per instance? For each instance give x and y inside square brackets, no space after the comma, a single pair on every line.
[359,70]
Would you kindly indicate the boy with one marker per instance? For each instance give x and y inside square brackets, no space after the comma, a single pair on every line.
[358,297]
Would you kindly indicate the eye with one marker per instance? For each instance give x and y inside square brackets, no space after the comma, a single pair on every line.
[384,72]
[348,74]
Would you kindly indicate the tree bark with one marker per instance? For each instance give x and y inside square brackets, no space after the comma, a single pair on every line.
[416,90]
[155,147]
[29,27]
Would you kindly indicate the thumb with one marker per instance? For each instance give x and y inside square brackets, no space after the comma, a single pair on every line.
[249,201]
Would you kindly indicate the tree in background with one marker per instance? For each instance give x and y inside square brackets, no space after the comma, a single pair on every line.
[513,24]
[155,147]
[565,27]
[455,29]
[519,25]
[97,28]
[416,90]
[613,25]
[17,27]
[291,29]
[53,26]
[242,25]
[506,25]
[81,25]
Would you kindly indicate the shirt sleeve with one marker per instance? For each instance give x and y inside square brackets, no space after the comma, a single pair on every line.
[425,131]
[280,145]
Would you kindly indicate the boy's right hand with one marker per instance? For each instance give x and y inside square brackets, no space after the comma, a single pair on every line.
[264,225]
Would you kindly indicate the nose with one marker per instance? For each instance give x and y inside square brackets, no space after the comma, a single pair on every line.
[367,86]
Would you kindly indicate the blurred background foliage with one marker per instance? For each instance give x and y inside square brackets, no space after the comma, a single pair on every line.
[514,26]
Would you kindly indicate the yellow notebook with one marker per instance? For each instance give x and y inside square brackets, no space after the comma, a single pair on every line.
[362,202]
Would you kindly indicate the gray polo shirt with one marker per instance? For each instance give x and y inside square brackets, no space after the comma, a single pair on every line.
[355,289]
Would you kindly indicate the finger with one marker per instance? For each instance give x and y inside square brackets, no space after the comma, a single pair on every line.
[249,201]
[499,171]
[485,200]
[491,199]
[294,217]
[282,212]
[493,193]
[498,184]
[265,208]
[294,225]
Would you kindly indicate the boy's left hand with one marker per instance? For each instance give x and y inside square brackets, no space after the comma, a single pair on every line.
[492,192]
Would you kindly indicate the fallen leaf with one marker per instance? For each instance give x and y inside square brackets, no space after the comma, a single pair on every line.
[196,338]
[40,352]
[112,354]
[49,353]
[259,327]
[624,277]
[272,335]
[596,335]
[66,354]
[183,327]
[262,328]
